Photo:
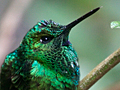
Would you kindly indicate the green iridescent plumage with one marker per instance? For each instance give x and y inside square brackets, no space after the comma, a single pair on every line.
[42,64]
[45,59]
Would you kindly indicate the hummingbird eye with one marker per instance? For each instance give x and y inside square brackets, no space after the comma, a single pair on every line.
[45,39]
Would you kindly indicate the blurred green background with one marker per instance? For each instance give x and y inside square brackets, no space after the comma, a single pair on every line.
[93,39]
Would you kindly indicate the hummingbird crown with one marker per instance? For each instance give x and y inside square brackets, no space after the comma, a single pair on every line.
[48,27]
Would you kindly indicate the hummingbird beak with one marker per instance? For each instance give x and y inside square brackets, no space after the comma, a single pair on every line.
[68,27]
[72,24]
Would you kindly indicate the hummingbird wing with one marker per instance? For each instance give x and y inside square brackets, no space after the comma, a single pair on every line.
[15,76]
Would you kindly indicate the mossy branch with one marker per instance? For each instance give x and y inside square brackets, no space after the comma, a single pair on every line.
[100,70]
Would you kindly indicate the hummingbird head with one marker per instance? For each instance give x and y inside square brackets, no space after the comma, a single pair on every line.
[45,39]
[47,42]
[48,36]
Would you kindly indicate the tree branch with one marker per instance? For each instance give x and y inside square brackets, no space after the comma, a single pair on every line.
[100,71]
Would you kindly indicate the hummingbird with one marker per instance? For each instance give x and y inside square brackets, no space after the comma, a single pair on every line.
[45,59]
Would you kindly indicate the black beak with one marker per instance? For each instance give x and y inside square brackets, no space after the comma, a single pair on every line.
[72,24]
[68,27]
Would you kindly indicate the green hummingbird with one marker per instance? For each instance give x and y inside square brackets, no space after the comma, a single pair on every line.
[45,59]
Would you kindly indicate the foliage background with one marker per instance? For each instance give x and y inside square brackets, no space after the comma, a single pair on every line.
[93,39]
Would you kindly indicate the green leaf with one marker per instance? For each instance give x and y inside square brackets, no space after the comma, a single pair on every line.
[115,24]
